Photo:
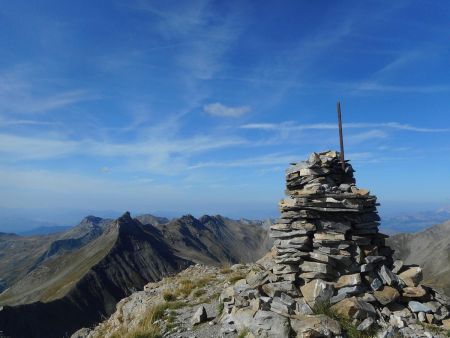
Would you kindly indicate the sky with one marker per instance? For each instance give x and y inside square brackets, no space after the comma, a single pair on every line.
[175,107]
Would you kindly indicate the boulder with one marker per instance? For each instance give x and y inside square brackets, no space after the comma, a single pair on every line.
[441,313]
[315,326]
[413,292]
[354,308]
[376,284]
[386,295]
[283,305]
[412,276]
[242,317]
[316,267]
[347,292]
[348,280]
[418,307]
[302,308]
[397,266]
[199,316]
[256,278]
[226,294]
[317,291]
[365,324]
[267,324]
[397,321]
[274,289]
[446,324]
[387,276]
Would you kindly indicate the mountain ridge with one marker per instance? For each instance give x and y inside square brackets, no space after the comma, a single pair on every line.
[102,261]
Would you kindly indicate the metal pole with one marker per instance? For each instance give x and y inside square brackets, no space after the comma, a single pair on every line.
[341,137]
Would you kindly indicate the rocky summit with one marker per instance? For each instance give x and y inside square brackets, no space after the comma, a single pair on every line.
[330,273]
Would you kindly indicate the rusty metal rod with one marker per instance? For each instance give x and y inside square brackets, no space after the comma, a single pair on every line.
[341,137]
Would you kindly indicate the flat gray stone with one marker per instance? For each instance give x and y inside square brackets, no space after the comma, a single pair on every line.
[418,307]
[365,324]
[387,276]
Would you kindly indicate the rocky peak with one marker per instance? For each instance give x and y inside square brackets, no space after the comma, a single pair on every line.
[191,222]
[91,220]
[215,221]
[128,226]
[125,218]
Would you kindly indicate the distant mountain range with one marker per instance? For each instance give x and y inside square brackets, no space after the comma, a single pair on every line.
[413,222]
[55,283]
[45,230]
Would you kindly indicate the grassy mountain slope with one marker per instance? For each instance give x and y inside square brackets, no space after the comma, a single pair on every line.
[215,240]
[430,249]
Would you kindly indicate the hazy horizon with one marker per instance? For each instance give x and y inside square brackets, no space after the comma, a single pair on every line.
[22,220]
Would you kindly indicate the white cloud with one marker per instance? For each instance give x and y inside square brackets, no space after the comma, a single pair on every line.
[218,109]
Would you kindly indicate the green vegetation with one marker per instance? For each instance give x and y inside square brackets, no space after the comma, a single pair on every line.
[235,277]
[346,324]
[204,281]
[169,296]
[185,288]
[199,292]
[147,328]
[225,270]
[243,333]
[433,328]
[220,307]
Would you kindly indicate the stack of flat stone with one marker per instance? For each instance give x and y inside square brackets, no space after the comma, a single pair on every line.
[328,252]
[328,227]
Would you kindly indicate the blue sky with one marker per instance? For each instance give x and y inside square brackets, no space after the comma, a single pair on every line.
[199,106]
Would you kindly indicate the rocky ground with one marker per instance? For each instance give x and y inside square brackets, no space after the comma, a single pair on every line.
[168,308]
[191,304]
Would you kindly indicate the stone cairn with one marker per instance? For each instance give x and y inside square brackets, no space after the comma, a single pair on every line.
[329,257]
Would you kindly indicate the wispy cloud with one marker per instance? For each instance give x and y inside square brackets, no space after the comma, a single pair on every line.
[46,187]
[291,126]
[160,155]
[366,136]
[23,92]
[22,122]
[257,161]
[374,86]
[218,109]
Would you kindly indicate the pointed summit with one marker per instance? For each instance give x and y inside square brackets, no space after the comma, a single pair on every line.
[125,218]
